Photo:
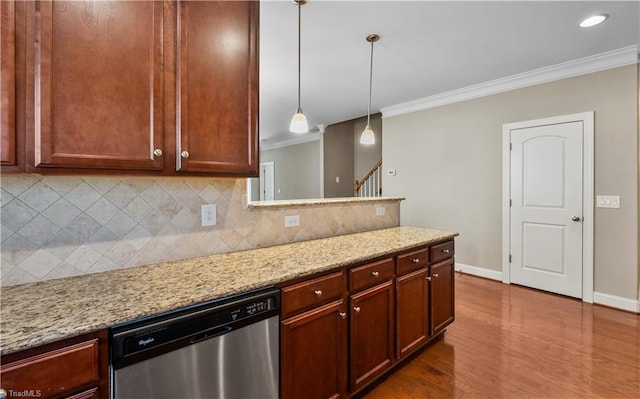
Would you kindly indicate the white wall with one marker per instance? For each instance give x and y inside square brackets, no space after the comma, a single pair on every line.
[449,167]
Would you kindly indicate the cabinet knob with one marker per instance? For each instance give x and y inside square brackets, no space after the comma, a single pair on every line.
[157,152]
[184,154]
[435,274]
[343,315]
[318,292]
[375,274]
[428,278]
[3,394]
[445,251]
[415,260]
[356,309]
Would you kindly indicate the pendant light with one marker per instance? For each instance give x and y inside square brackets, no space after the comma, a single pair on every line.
[368,137]
[299,121]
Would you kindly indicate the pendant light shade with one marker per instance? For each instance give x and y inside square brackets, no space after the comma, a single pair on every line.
[368,137]
[299,121]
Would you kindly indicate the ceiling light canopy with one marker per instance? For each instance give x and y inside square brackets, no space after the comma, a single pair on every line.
[299,122]
[593,20]
[367,136]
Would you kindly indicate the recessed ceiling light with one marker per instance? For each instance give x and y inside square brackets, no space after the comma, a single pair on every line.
[593,20]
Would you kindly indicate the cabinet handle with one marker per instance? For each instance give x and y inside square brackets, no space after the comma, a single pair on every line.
[184,154]
[375,274]
[428,278]
[3,394]
[157,152]
[435,274]
[318,292]
[356,309]
[343,315]
[415,260]
[445,251]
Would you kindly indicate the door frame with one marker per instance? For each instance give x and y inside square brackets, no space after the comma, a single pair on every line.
[587,119]
[261,182]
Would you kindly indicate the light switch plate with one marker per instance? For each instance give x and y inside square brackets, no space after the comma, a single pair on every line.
[291,220]
[380,210]
[391,172]
[608,201]
[209,215]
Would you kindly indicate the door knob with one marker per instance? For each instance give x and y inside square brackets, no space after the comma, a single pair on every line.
[576,218]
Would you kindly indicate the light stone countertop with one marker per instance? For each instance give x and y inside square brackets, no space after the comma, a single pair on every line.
[43,312]
[321,201]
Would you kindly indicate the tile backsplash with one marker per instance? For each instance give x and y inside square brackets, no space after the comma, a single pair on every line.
[60,226]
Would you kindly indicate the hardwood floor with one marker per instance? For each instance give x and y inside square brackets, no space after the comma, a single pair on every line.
[513,342]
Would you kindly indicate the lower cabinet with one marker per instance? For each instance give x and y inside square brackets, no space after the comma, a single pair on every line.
[412,311]
[442,296]
[396,305]
[371,333]
[76,368]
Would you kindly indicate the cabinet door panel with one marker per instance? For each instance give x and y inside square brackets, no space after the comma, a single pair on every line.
[313,354]
[217,78]
[7,83]
[98,84]
[372,333]
[412,304]
[442,296]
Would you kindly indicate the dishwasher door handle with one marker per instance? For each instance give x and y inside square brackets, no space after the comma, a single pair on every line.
[214,332]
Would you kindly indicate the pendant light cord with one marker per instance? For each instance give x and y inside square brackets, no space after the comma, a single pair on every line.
[299,49]
[370,84]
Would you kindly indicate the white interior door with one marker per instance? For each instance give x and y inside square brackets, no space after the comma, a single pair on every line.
[267,181]
[547,207]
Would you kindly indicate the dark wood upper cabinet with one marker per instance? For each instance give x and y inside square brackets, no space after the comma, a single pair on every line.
[8,83]
[98,84]
[161,88]
[217,86]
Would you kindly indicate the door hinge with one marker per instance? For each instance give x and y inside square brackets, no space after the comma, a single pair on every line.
[510,146]
[509,258]
[510,202]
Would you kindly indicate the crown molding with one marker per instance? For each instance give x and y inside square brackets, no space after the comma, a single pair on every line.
[305,138]
[582,66]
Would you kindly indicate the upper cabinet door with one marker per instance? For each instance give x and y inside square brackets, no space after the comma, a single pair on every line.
[7,84]
[98,85]
[217,87]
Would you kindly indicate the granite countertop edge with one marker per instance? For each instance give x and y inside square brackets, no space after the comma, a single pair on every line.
[40,313]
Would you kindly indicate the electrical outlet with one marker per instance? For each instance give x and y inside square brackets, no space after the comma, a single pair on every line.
[337,179]
[292,220]
[608,201]
[380,210]
[391,172]
[209,215]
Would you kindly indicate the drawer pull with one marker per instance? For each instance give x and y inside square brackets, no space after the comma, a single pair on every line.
[435,274]
[415,260]
[356,309]
[318,292]
[375,274]
[445,251]
[343,315]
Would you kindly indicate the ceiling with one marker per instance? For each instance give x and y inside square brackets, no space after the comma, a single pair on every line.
[425,48]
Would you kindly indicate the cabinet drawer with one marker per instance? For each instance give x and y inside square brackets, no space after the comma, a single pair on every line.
[310,293]
[368,275]
[55,372]
[441,251]
[411,261]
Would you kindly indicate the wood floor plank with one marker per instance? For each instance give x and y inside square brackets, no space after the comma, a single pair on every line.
[514,342]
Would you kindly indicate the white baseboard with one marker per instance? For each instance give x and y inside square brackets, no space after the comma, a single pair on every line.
[479,271]
[618,302]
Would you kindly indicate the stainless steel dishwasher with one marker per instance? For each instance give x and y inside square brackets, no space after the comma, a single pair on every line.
[222,349]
